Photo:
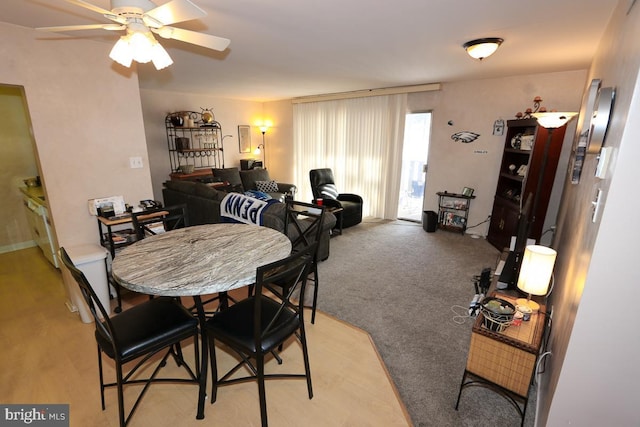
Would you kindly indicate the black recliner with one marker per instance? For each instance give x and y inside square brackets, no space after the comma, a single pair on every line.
[323,187]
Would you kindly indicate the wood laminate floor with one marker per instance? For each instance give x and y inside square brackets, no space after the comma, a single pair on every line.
[49,356]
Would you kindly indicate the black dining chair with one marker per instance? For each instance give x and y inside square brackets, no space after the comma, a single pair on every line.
[149,222]
[138,334]
[303,225]
[255,326]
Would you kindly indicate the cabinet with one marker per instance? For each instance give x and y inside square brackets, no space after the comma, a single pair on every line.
[195,145]
[518,177]
[453,211]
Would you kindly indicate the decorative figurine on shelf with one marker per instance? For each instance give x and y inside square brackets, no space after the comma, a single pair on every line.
[536,108]
[207,116]
[177,120]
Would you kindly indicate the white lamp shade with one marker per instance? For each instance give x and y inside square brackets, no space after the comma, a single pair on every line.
[536,269]
[554,119]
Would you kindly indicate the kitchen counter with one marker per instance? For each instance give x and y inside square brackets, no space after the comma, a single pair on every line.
[36,194]
[36,209]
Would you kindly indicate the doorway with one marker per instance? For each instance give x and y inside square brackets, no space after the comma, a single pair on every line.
[415,151]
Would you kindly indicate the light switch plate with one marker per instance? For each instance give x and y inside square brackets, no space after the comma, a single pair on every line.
[603,162]
[135,162]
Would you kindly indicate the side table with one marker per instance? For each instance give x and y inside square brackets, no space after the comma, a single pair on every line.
[107,234]
[505,361]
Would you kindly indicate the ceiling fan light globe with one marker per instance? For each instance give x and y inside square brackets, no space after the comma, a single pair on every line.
[121,52]
[141,45]
[160,57]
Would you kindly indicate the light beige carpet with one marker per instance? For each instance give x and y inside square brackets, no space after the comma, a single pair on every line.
[400,284]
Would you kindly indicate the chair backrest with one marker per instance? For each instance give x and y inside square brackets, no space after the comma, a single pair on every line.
[323,184]
[292,270]
[144,222]
[303,224]
[99,313]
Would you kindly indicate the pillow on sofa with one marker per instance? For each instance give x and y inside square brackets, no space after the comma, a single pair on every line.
[329,191]
[267,186]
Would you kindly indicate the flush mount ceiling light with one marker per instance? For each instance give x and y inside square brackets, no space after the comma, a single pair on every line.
[482,48]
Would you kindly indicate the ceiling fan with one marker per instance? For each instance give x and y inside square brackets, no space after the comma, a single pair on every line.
[142,18]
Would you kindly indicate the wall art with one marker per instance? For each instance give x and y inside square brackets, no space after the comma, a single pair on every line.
[244,138]
[465,136]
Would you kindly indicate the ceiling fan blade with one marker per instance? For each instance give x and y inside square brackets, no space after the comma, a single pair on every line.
[106,13]
[175,11]
[109,27]
[193,37]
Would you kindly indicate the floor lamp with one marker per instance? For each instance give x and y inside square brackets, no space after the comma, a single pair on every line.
[260,148]
[550,121]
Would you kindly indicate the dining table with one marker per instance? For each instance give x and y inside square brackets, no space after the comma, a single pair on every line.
[196,261]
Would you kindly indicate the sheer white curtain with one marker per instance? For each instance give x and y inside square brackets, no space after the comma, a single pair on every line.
[360,139]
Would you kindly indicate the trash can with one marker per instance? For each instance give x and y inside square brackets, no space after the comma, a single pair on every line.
[91,260]
[429,221]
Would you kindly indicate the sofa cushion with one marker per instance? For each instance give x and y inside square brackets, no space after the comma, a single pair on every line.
[188,187]
[267,186]
[209,192]
[232,176]
[249,177]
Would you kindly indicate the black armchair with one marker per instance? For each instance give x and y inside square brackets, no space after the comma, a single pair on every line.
[323,187]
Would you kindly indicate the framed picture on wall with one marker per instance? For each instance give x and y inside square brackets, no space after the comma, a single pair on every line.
[244,138]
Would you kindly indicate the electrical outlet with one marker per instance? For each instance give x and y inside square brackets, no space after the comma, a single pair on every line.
[135,162]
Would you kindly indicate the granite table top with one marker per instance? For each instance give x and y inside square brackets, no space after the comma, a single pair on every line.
[199,260]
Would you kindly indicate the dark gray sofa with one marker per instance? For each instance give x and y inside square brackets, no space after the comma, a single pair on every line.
[203,204]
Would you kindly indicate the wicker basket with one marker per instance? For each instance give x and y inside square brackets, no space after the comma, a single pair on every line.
[497,313]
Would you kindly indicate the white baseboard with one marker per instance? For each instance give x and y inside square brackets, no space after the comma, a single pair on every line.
[17,246]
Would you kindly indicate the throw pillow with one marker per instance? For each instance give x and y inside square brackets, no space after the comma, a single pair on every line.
[267,186]
[329,191]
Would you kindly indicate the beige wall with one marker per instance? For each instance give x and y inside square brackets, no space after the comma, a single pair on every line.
[592,373]
[87,122]
[474,106]
[230,113]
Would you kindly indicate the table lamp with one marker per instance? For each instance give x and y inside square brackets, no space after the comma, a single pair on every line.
[535,274]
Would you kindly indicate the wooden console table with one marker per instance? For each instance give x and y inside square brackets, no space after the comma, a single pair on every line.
[505,361]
